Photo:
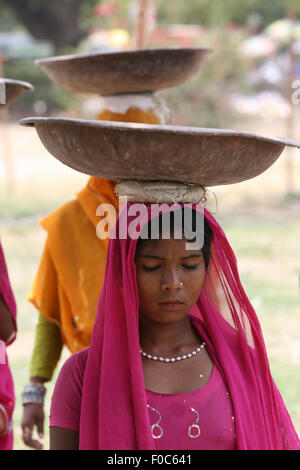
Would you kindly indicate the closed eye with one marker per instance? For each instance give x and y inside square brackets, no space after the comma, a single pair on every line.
[153,268]
[194,266]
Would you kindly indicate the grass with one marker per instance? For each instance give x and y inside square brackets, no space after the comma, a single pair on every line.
[19,207]
[269,266]
[262,225]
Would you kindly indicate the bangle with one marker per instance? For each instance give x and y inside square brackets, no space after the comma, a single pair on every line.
[7,424]
[33,394]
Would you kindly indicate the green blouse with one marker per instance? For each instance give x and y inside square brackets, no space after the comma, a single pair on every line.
[47,349]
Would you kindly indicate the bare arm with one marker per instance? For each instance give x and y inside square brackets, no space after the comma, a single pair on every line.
[46,353]
[7,326]
[33,415]
[63,439]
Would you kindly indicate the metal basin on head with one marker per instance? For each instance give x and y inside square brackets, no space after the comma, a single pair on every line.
[128,151]
[135,71]
[12,89]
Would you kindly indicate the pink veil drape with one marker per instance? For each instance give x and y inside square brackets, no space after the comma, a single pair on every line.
[113,411]
[6,290]
[7,397]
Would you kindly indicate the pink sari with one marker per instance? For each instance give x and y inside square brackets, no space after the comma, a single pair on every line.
[7,397]
[114,412]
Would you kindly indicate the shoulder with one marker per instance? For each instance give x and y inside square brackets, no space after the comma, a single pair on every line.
[70,379]
[74,367]
[66,397]
[62,215]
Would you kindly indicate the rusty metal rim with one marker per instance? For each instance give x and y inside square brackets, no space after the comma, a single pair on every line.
[130,53]
[9,81]
[161,129]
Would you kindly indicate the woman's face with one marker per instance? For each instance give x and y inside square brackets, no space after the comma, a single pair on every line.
[169,279]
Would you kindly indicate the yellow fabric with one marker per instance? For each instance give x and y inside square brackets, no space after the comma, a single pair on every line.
[132,115]
[70,275]
[68,283]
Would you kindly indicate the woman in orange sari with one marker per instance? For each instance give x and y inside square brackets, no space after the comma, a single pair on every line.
[69,279]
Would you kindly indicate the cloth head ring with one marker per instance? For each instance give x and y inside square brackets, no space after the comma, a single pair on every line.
[161,192]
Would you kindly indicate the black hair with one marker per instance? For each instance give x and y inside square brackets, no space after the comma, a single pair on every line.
[198,227]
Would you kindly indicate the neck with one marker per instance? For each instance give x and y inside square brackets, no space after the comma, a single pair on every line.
[167,338]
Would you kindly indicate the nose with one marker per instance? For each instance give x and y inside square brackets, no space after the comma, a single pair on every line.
[171,281]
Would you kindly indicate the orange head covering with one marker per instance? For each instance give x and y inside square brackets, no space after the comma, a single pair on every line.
[69,279]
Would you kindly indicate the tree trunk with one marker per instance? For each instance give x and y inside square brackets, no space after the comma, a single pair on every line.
[141,25]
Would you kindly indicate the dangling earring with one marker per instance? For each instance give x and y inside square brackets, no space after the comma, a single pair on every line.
[196,433]
[156,425]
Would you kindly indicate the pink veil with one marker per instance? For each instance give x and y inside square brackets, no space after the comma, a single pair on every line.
[7,396]
[114,415]
[5,289]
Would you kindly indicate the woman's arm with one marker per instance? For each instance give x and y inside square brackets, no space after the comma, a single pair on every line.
[46,354]
[7,326]
[47,350]
[63,439]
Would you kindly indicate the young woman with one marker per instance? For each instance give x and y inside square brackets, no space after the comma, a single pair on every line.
[7,335]
[177,358]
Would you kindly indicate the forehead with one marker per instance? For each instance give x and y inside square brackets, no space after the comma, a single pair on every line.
[166,248]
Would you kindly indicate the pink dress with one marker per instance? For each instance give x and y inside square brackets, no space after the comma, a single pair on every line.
[7,397]
[198,420]
[114,401]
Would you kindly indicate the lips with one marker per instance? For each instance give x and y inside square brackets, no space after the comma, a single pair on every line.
[172,304]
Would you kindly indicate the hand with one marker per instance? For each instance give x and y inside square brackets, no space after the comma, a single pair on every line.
[33,415]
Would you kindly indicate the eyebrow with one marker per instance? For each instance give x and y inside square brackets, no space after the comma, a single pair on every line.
[162,259]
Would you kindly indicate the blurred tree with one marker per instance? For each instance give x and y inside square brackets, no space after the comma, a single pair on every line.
[7,18]
[213,12]
[66,22]
[55,20]
[203,101]
[206,12]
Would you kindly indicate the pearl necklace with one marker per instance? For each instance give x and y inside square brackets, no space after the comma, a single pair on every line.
[173,359]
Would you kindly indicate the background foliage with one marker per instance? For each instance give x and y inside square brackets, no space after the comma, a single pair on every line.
[65,27]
